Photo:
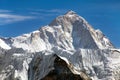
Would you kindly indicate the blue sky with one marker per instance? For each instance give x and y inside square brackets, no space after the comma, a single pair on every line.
[23,16]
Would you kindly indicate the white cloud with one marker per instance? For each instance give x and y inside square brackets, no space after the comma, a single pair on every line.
[4,11]
[42,13]
[52,10]
[57,11]
[10,18]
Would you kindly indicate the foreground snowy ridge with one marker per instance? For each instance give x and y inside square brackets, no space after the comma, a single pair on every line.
[68,45]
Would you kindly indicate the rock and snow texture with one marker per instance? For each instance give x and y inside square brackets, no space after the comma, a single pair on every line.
[69,32]
[87,52]
[4,45]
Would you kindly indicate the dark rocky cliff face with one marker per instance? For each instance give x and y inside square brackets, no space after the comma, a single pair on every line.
[61,71]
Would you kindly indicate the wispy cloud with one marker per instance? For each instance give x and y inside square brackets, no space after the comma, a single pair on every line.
[10,18]
[45,14]
[4,11]
[45,11]
[52,10]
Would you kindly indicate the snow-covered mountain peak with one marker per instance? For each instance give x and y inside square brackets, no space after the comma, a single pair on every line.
[70,12]
[70,17]
[69,22]
[69,31]
[67,47]
[82,33]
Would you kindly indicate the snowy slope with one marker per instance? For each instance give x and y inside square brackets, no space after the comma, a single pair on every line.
[4,45]
[86,51]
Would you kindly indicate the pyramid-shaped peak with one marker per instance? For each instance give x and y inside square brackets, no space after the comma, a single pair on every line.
[70,12]
[68,17]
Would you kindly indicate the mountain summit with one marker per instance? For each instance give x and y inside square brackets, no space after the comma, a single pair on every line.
[67,47]
[81,32]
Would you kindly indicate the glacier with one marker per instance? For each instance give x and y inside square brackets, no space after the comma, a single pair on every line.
[67,47]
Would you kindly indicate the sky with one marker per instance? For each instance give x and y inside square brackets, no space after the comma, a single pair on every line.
[24,16]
